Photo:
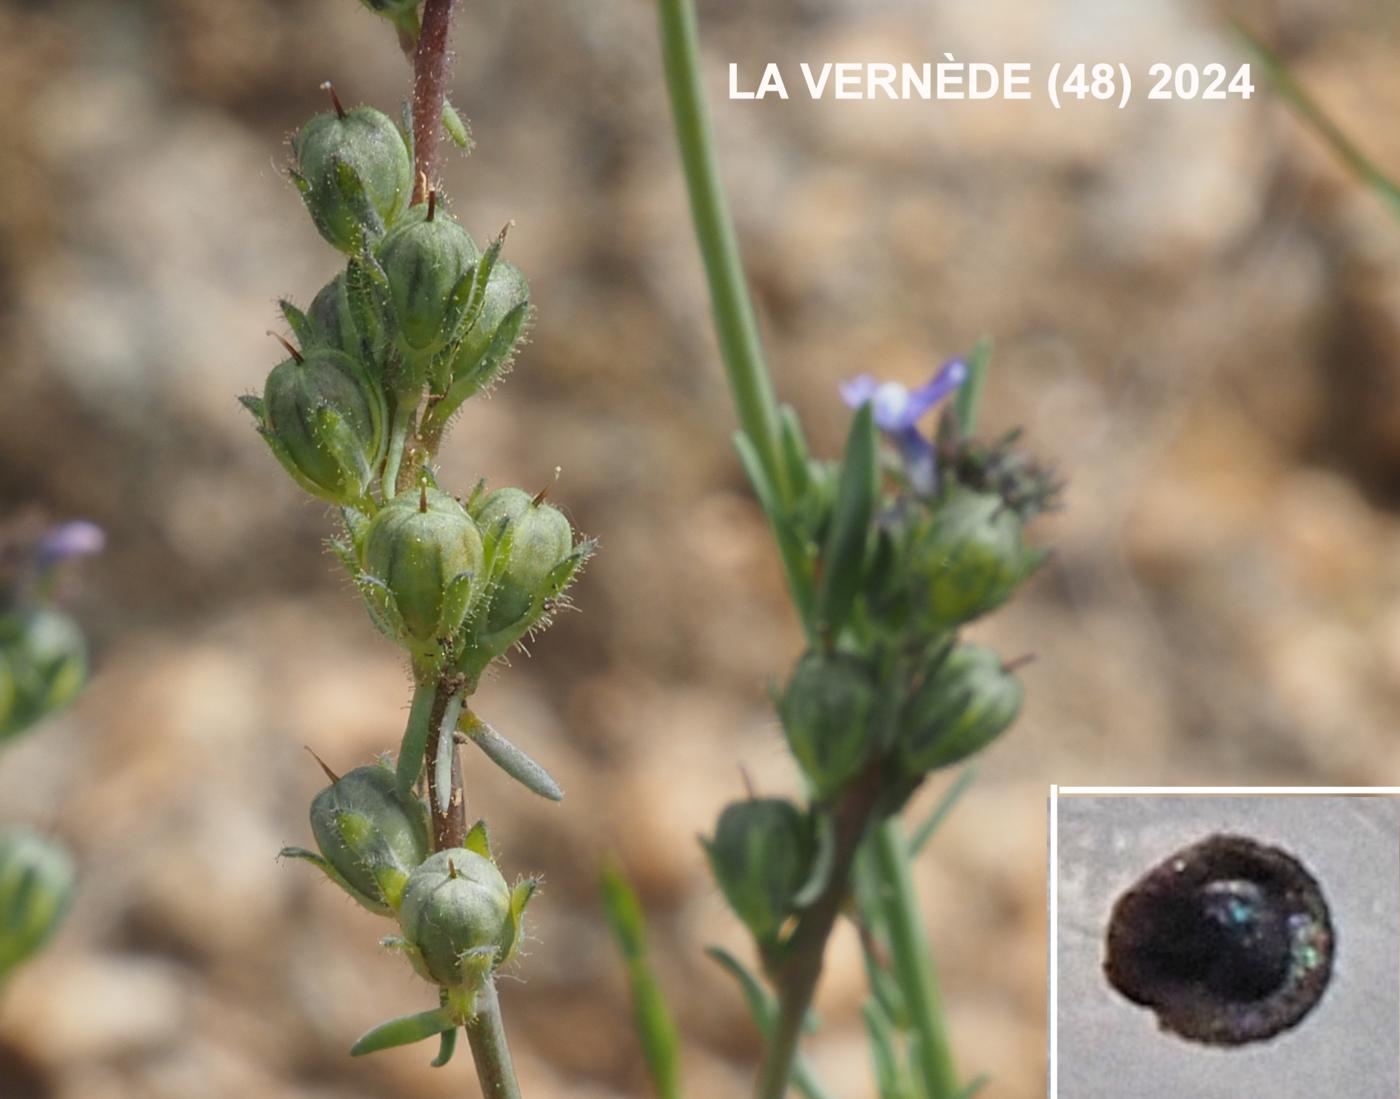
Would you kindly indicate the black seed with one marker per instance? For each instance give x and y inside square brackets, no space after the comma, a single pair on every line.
[1228,941]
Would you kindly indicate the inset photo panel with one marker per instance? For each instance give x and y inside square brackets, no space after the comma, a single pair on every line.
[1224,943]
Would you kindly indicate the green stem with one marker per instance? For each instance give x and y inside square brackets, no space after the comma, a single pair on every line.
[486,1034]
[912,962]
[398,435]
[781,1054]
[735,326]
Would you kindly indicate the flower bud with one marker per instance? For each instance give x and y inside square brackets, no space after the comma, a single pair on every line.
[43,665]
[965,703]
[371,836]
[762,855]
[422,554]
[828,712]
[428,261]
[324,420]
[354,174]
[968,558]
[540,542]
[36,890]
[460,919]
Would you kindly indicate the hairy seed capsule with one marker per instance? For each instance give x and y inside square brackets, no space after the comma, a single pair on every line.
[371,834]
[43,665]
[967,701]
[761,855]
[428,262]
[416,547]
[324,421]
[36,889]
[457,914]
[503,312]
[354,174]
[967,559]
[827,711]
[540,541]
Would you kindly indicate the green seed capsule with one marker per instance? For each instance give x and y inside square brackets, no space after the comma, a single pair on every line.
[965,703]
[428,260]
[828,712]
[37,883]
[354,174]
[43,666]
[419,551]
[354,324]
[458,917]
[967,559]
[486,347]
[540,541]
[331,319]
[324,421]
[371,836]
[762,855]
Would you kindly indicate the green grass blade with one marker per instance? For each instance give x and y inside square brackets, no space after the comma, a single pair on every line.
[1297,97]
[655,1027]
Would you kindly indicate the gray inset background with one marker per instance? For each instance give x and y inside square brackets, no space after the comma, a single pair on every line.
[1348,1045]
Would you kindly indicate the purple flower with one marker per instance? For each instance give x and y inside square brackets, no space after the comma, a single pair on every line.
[897,410]
[78,538]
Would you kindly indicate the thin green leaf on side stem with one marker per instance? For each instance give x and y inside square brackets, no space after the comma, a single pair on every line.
[946,804]
[843,559]
[968,402]
[883,1055]
[415,736]
[403,1031]
[789,548]
[764,1011]
[655,1027]
[911,962]
[1307,108]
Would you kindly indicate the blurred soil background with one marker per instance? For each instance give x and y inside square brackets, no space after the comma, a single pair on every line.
[1197,319]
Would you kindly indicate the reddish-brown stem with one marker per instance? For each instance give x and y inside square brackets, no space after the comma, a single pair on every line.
[430,74]
[797,966]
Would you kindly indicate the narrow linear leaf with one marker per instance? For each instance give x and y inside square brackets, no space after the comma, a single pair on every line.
[415,738]
[882,1050]
[968,403]
[977,1084]
[456,127]
[448,1046]
[763,1011]
[655,1027]
[447,1040]
[1312,114]
[795,453]
[446,747]
[404,1031]
[924,832]
[843,557]
[789,547]
[512,760]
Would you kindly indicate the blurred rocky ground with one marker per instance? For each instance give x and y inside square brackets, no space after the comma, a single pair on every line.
[1197,318]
